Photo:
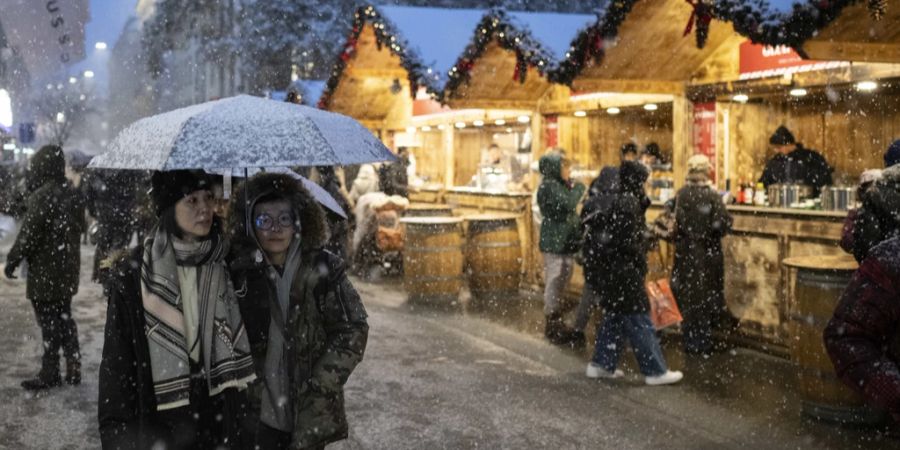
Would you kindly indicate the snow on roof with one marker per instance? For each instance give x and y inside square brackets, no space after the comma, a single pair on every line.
[438,35]
[554,31]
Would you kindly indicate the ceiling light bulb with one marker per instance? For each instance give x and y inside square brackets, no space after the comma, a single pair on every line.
[478,123]
[580,113]
[651,107]
[460,125]
[866,86]
[523,119]
[798,92]
[426,128]
[613,110]
[741,98]
[499,122]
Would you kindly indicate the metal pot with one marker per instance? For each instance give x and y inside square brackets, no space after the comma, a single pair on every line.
[838,198]
[784,195]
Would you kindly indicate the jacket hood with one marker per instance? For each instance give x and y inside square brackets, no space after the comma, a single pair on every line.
[550,165]
[632,176]
[313,229]
[48,164]
[606,182]
[885,194]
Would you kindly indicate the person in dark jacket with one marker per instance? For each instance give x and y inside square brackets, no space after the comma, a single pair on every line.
[560,238]
[795,164]
[339,228]
[50,241]
[110,199]
[306,323]
[176,358]
[615,266]
[392,177]
[863,336]
[866,183]
[879,217]
[698,276]
[892,154]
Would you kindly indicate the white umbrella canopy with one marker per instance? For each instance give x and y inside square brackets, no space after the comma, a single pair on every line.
[242,132]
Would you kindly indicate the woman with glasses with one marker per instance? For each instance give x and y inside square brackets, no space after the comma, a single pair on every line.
[176,358]
[305,321]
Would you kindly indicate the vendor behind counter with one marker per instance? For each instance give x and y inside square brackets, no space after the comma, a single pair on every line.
[795,164]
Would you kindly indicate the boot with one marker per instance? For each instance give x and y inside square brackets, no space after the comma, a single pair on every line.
[555,330]
[576,340]
[42,382]
[73,372]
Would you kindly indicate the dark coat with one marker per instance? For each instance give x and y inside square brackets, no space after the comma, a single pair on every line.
[863,336]
[126,407]
[801,165]
[558,199]
[110,199]
[701,221]
[879,217]
[50,238]
[616,243]
[326,327]
[338,227]
[393,179]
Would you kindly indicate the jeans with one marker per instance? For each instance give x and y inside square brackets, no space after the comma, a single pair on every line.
[639,329]
[557,274]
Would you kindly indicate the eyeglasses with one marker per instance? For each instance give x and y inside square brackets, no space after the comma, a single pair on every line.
[265,222]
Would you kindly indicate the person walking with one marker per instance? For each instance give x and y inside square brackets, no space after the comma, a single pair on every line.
[560,238]
[50,241]
[366,181]
[110,199]
[393,177]
[876,221]
[339,228]
[615,266]
[698,276]
[305,321]
[176,358]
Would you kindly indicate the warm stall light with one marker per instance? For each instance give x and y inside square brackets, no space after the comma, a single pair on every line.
[426,128]
[798,92]
[89,74]
[478,123]
[524,119]
[651,107]
[509,130]
[499,122]
[741,98]
[580,114]
[441,127]
[460,125]
[613,110]
[866,86]
[411,130]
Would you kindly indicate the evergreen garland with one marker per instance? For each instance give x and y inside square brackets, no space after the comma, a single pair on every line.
[877,8]
[496,26]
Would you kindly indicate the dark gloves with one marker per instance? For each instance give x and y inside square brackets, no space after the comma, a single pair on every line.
[10,270]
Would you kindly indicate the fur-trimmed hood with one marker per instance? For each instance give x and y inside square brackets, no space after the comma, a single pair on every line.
[313,228]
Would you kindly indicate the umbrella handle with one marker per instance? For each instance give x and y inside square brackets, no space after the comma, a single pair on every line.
[247,213]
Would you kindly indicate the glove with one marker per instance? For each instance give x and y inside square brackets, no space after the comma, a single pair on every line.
[10,270]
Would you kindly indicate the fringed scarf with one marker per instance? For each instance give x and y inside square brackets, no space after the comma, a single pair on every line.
[225,350]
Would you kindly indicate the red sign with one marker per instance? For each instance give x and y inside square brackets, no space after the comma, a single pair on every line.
[760,61]
[551,131]
[704,128]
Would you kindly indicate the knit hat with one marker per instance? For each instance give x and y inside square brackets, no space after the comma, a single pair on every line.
[699,164]
[892,155]
[48,164]
[870,176]
[171,186]
[782,136]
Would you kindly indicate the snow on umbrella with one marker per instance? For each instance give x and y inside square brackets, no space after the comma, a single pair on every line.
[318,192]
[242,132]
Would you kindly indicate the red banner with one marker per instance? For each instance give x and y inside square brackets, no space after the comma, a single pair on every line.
[760,61]
[704,128]
[551,131]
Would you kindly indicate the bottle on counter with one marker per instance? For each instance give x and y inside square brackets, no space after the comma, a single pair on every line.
[748,194]
[759,198]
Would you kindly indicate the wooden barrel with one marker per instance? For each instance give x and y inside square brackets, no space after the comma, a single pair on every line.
[820,282]
[493,255]
[427,210]
[433,259]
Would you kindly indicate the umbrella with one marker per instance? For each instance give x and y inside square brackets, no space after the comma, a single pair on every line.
[242,132]
[321,195]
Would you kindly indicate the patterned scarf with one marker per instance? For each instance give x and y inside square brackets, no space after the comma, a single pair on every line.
[225,349]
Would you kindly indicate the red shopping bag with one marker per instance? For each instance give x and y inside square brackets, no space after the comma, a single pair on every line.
[663,309]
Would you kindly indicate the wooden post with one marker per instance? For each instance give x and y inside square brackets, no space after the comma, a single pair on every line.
[681,138]
[449,167]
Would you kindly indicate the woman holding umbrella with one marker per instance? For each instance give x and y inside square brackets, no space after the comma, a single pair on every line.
[305,321]
[175,354]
